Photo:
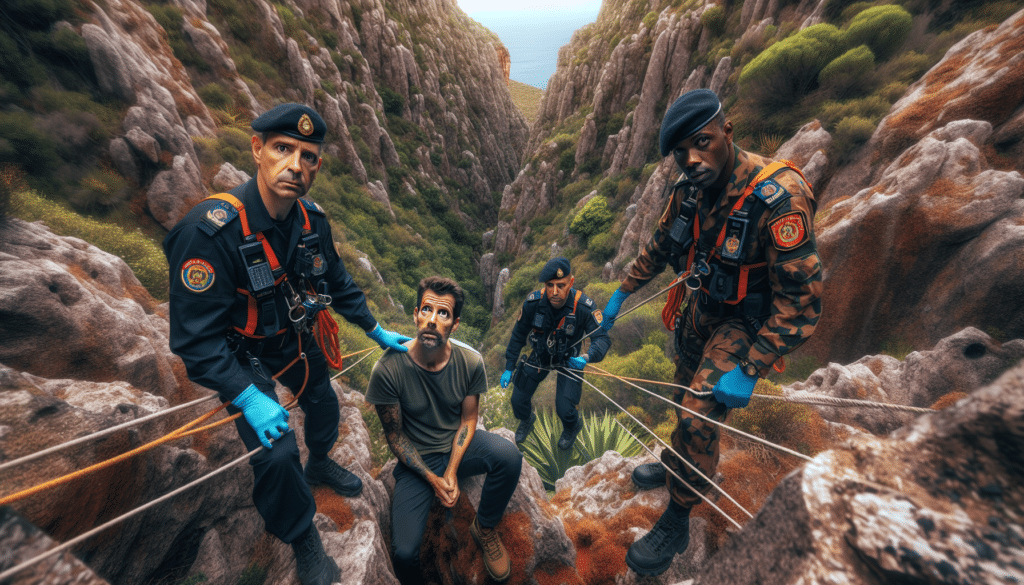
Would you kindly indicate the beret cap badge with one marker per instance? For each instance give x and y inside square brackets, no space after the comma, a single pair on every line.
[305,125]
[559,273]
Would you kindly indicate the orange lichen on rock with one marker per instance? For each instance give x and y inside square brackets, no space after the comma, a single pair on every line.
[600,554]
[335,507]
[948,400]
[555,574]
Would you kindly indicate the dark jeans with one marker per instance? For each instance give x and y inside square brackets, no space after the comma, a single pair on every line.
[487,453]
[568,391]
[280,492]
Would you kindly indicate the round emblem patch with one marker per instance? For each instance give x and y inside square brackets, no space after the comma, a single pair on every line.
[305,125]
[732,245]
[197,275]
[788,231]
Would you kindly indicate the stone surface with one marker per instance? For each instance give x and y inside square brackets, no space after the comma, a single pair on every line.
[22,541]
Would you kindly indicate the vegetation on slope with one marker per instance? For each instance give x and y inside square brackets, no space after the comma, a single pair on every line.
[527,98]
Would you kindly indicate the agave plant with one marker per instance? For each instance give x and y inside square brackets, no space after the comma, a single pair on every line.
[599,434]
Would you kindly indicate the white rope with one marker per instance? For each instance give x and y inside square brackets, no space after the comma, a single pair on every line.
[638,305]
[714,422]
[375,350]
[667,446]
[822,400]
[103,433]
[683,481]
[125,516]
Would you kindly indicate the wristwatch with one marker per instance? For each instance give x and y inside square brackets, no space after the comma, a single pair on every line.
[748,368]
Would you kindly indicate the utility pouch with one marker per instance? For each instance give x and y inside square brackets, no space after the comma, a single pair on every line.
[524,371]
[734,247]
[309,262]
[538,320]
[261,285]
[721,283]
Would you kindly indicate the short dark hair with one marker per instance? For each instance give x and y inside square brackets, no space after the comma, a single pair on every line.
[441,286]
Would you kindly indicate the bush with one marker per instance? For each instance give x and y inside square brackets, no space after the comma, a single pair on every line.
[882,28]
[522,282]
[713,19]
[593,219]
[787,70]
[603,246]
[394,103]
[850,133]
[214,96]
[796,426]
[143,255]
[848,70]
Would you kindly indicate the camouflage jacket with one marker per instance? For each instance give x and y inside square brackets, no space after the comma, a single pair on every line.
[781,237]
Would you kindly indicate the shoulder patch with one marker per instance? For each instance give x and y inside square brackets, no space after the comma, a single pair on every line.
[535,295]
[197,274]
[598,316]
[771,193]
[312,206]
[788,231]
[217,216]
[588,302]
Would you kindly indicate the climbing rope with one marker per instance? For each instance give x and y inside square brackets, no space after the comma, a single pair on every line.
[704,418]
[66,545]
[666,445]
[681,480]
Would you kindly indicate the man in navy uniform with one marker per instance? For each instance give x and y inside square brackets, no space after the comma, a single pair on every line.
[249,270]
[554,320]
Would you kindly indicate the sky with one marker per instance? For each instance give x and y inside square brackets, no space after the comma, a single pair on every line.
[533,31]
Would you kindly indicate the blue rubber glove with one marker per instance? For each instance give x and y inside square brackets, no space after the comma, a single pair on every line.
[263,414]
[576,363]
[388,339]
[734,388]
[506,379]
[611,310]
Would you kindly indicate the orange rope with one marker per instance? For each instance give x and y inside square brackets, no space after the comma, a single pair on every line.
[181,432]
[327,339]
[675,298]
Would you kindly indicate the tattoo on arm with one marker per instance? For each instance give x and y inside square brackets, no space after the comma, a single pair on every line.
[462,435]
[391,420]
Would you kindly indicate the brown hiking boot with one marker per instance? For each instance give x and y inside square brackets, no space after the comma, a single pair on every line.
[499,566]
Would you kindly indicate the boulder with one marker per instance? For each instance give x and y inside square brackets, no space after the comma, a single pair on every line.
[936,502]
[228,177]
[22,541]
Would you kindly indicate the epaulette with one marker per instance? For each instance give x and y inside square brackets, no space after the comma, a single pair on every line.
[535,295]
[217,216]
[312,206]
[771,193]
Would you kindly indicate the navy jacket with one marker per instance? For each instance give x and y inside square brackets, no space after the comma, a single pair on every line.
[206,271]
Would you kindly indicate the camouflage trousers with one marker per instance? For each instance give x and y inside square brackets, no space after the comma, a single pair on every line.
[707,346]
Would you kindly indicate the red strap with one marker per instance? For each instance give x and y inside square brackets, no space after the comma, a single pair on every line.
[271,257]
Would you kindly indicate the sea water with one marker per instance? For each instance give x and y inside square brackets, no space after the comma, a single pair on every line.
[533,36]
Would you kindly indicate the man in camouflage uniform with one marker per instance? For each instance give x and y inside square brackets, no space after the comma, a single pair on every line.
[743,227]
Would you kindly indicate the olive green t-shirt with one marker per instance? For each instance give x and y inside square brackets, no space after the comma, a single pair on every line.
[431,402]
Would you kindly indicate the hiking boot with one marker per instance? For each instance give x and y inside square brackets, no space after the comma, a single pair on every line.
[653,553]
[326,472]
[496,558]
[569,435]
[313,564]
[525,428]
[649,476]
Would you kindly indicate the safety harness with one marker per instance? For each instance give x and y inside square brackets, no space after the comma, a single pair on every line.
[556,344]
[721,271]
[267,277]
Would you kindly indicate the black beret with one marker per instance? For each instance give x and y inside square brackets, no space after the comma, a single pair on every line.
[555,268]
[691,112]
[295,120]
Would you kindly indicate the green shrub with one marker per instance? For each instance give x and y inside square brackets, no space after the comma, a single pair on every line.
[522,282]
[215,96]
[848,70]
[496,408]
[143,255]
[850,133]
[787,70]
[38,14]
[713,20]
[567,161]
[650,19]
[882,28]
[603,246]
[593,219]
[21,144]
[394,103]
[872,107]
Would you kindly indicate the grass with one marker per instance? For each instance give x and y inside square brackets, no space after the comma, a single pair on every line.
[527,98]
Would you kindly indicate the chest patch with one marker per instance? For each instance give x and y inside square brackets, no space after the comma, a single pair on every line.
[771,193]
[788,231]
[197,274]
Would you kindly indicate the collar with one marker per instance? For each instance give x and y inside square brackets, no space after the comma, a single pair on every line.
[256,211]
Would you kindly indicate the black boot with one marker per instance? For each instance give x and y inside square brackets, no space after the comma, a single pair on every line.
[649,476]
[653,553]
[313,564]
[525,427]
[324,471]
[569,435]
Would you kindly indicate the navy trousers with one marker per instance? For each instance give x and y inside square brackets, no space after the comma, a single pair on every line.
[568,391]
[487,453]
[280,492]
